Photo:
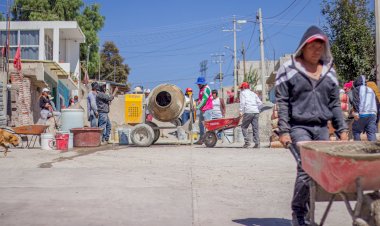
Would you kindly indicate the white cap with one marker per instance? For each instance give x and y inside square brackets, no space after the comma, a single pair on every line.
[138,89]
[147,91]
[45,90]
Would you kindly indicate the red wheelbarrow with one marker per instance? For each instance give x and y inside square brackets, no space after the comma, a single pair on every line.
[216,126]
[344,171]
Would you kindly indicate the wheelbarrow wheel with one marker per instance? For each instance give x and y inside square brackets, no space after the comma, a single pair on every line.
[210,139]
[142,135]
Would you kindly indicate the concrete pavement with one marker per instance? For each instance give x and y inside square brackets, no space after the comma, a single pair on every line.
[161,185]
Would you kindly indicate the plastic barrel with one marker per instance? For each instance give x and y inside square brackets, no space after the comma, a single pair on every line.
[71,118]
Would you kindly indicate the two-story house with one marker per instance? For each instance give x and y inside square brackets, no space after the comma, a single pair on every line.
[50,58]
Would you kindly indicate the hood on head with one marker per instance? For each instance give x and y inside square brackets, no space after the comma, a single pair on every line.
[311,34]
[360,81]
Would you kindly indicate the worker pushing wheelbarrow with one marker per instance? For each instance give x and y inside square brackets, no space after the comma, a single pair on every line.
[218,126]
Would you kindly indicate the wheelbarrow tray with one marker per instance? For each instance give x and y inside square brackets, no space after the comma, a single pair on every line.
[30,129]
[221,124]
[335,166]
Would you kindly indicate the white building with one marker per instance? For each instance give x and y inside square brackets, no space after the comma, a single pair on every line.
[50,58]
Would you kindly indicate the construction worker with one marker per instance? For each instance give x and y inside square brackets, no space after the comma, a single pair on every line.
[250,105]
[186,113]
[307,96]
[205,106]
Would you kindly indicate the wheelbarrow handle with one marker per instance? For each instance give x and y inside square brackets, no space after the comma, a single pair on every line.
[294,152]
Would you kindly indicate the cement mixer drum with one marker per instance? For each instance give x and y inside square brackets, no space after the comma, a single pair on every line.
[166,102]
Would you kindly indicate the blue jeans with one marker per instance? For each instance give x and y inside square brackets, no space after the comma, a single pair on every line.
[204,116]
[185,117]
[93,121]
[105,124]
[367,125]
[301,193]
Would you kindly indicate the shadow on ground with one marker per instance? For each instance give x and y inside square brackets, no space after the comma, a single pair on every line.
[263,222]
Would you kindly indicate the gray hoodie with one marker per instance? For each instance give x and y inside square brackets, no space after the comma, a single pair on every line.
[302,103]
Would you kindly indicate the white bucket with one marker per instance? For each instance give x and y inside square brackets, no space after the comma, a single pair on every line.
[239,135]
[71,141]
[47,141]
[228,136]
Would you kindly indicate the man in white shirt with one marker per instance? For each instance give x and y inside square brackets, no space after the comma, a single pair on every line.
[250,105]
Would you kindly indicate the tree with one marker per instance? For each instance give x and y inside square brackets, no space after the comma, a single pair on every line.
[252,77]
[111,59]
[90,21]
[46,10]
[351,30]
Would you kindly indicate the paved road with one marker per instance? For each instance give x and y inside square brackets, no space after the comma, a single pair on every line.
[161,185]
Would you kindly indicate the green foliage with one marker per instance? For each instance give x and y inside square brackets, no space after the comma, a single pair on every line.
[351,29]
[252,77]
[46,10]
[89,19]
[109,57]
[91,22]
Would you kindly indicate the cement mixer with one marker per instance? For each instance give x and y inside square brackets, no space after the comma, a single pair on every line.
[165,103]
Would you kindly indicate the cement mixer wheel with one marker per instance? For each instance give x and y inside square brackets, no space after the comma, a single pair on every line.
[156,131]
[210,139]
[142,135]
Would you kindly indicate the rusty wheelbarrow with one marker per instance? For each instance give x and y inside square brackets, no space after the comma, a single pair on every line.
[344,171]
[23,132]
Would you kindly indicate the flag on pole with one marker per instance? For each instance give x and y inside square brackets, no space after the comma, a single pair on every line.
[17,59]
[85,77]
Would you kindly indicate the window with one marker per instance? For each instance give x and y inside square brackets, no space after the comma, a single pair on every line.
[27,39]
[29,53]
[12,36]
[48,48]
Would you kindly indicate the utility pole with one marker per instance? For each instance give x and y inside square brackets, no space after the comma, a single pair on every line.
[100,61]
[220,61]
[263,71]
[203,68]
[377,16]
[114,71]
[88,57]
[235,67]
[243,53]
[234,21]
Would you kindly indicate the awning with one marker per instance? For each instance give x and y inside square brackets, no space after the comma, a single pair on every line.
[52,65]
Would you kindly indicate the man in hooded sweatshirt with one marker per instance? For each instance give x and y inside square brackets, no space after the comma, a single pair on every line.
[307,95]
[364,106]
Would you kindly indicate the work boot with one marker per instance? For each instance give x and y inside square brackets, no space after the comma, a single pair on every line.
[298,220]
[246,145]
[199,142]
[256,146]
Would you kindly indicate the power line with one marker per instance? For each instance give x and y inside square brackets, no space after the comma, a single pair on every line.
[307,3]
[281,11]
[250,39]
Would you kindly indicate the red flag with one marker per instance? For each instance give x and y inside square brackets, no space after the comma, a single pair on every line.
[86,77]
[17,59]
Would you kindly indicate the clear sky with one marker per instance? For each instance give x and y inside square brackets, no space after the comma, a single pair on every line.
[165,41]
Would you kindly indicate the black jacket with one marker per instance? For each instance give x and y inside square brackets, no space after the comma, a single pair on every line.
[103,102]
[299,102]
